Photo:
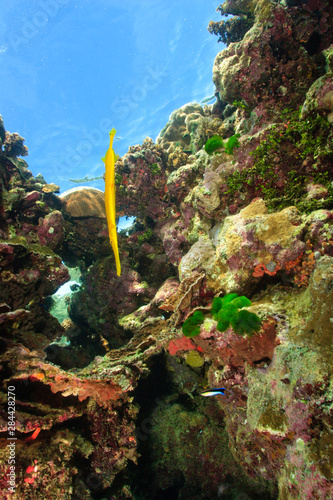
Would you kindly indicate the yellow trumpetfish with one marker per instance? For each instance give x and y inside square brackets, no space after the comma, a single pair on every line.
[110,198]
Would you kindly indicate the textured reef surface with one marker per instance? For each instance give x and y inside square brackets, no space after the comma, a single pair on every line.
[107,403]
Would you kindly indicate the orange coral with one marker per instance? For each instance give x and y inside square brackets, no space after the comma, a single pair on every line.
[100,390]
[261,269]
[305,270]
[292,264]
[33,435]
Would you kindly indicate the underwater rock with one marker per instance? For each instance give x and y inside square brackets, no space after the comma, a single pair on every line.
[188,129]
[2,132]
[29,271]
[254,68]
[320,98]
[234,29]
[241,242]
[277,387]
[200,256]
[84,239]
[13,145]
[50,230]
[104,298]
[86,230]
[50,188]
[52,396]
[28,274]
[207,195]
[318,330]
[173,238]
[141,182]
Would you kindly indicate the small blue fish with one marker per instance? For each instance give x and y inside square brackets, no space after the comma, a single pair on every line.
[214,392]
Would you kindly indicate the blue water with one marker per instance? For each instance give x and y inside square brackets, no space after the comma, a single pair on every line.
[71,71]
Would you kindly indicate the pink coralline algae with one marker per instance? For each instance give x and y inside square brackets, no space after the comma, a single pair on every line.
[50,230]
[235,350]
[141,181]
[262,66]
[182,344]
[174,241]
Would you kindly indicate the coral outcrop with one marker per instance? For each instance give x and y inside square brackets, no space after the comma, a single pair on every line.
[108,404]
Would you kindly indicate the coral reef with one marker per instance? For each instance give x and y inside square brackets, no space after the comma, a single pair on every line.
[181,127]
[83,202]
[108,404]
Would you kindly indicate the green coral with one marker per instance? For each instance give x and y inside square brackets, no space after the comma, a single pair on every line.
[231,144]
[227,311]
[191,326]
[214,143]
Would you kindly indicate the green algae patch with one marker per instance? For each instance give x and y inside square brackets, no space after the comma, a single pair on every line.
[279,161]
[29,247]
[216,143]
[191,326]
[227,311]
[41,249]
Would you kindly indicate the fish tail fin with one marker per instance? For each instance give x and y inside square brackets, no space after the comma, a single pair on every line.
[118,267]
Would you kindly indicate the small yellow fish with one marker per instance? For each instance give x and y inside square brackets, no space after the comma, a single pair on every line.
[110,198]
